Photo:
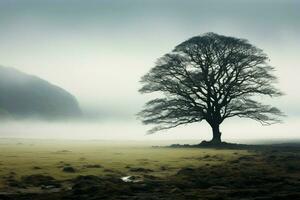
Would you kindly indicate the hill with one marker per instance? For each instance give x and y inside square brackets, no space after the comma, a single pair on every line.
[23,96]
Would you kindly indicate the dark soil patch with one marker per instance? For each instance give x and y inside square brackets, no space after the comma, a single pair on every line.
[36,168]
[39,180]
[92,166]
[140,169]
[63,151]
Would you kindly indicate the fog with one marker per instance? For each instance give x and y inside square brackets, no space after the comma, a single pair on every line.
[98,51]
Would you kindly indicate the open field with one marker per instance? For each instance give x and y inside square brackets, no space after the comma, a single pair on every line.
[30,169]
[49,158]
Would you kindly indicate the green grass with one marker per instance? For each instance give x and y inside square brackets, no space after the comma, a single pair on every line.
[20,157]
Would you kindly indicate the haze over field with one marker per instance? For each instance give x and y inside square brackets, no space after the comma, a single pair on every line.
[98,51]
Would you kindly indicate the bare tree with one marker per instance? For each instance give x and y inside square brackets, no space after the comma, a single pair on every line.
[209,77]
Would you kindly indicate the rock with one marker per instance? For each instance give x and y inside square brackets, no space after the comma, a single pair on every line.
[69,169]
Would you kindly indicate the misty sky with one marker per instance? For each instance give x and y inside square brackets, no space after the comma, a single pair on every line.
[98,50]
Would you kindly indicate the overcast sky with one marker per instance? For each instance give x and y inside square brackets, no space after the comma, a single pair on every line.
[98,50]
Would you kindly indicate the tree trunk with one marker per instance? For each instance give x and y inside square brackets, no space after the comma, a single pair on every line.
[216,134]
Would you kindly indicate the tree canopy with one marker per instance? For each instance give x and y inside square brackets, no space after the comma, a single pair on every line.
[210,77]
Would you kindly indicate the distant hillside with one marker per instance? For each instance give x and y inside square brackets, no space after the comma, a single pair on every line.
[23,95]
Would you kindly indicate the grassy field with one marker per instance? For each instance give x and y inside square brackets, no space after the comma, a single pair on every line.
[45,170]
[50,157]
